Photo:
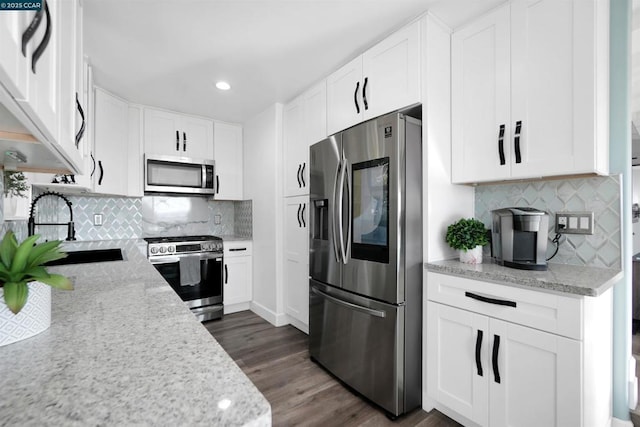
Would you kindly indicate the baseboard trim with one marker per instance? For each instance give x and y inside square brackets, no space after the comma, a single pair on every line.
[298,324]
[234,308]
[276,319]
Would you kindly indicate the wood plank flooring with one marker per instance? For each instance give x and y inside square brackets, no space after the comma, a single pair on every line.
[300,392]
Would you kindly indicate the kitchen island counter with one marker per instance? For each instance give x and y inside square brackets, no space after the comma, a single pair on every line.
[123,349]
[568,279]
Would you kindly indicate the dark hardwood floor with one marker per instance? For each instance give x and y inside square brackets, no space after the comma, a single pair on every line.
[299,391]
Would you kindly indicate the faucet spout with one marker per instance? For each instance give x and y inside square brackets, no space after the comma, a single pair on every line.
[31,224]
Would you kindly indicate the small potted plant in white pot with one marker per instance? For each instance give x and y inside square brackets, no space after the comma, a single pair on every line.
[16,192]
[25,286]
[468,236]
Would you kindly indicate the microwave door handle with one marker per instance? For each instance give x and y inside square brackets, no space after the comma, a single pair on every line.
[204,176]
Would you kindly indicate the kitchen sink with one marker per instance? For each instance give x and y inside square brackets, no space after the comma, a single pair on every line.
[83,257]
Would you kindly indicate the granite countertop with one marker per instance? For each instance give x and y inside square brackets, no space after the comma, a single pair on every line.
[123,349]
[570,279]
[235,238]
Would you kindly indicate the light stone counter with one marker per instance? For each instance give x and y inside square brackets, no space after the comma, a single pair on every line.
[571,279]
[235,238]
[123,349]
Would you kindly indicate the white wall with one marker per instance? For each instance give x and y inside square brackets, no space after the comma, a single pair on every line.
[444,203]
[262,159]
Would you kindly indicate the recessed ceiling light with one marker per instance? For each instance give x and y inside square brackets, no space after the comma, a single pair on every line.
[223,85]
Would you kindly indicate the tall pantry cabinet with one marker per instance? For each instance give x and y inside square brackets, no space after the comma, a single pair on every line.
[304,123]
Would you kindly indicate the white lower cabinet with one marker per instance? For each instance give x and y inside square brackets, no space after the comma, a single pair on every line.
[485,369]
[296,261]
[237,277]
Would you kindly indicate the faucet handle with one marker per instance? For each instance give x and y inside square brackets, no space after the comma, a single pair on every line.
[71,231]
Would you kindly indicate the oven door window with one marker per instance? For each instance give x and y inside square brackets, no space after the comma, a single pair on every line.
[210,285]
[370,217]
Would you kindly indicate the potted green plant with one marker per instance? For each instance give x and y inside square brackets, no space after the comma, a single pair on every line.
[15,184]
[468,236]
[25,286]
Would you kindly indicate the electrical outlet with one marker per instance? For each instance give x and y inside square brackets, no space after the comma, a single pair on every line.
[217,219]
[574,222]
[97,219]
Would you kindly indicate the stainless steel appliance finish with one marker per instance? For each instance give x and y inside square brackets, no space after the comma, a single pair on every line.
[365,261]
[204,298]
[519,237]
[182,175]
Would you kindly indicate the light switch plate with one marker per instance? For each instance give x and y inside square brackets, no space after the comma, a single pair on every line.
[574,222]
[97,219]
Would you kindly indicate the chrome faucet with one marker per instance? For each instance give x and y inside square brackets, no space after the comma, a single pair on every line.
[71,232]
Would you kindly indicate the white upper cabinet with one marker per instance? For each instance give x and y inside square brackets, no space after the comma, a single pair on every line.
[111,143]
[14,67]
[383,79]
[305,123]
[530,92]
[227,153]
[173,134]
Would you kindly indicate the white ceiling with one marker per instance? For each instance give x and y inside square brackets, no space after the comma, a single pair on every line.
[170,53]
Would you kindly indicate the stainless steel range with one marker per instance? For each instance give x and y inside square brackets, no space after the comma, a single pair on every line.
[193,266]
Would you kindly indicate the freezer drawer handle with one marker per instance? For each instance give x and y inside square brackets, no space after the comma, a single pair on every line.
[478,349]
[365,310]
[490,300]
[494,358]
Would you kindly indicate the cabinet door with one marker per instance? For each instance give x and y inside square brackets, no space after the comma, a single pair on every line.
[162,133]
[315,117]
[391,72]
[237,280]
[457,360]
[553,87]
[295,149]
[538,381]
[228,157]
[296,260]
[196,137]
[14,68]
[41,104]
[111,137]
[480,99]
[344,97]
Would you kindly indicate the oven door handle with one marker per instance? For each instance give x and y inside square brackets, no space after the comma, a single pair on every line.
[170,259]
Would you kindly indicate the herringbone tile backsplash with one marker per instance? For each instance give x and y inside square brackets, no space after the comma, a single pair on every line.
[129,218]
[598,194]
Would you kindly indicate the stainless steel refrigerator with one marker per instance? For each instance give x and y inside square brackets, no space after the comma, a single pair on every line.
[365,259]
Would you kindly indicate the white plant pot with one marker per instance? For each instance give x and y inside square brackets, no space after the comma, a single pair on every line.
[34,318]
[472,256]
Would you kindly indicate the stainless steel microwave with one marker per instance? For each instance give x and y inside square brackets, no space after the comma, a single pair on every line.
[183,175]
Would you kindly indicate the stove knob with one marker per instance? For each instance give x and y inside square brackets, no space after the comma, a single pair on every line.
[219,246]
[206,246]
[153,250]
[163,249]
[171,249]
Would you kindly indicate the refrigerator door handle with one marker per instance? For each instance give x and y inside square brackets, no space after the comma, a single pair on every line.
[334,235]
[339,208]
[347,184]
[365,310]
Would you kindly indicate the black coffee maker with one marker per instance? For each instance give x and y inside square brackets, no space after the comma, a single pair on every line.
[519,237]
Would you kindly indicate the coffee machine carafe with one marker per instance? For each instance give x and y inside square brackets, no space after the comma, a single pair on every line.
[519,237]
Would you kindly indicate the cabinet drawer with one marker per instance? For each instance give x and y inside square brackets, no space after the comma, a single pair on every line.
[549,312]
[237,248]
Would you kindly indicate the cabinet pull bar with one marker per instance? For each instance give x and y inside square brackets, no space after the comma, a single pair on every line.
[494,358]
[355,97]
[517,141]
[478,349]
[217,184]
[93,159]
[82,128]
[101,172]
[304,184]
[304,224]
[45,40]
[177,140]
[184,141]
[490,300]
[298,175]
[237,249]
[31,30]
[364,93]
[501,145]
[299,223]
[226,274]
